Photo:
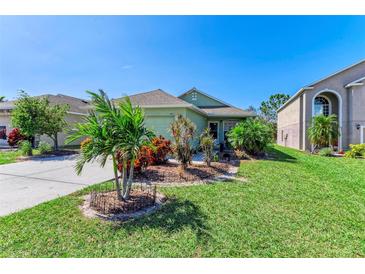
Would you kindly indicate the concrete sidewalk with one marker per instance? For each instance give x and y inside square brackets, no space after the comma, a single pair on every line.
[26,184]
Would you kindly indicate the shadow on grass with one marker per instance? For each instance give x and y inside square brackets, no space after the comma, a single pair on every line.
[173,217]
[274,154]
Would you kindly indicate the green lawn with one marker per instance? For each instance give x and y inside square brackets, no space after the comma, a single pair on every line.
[294,205]
[7,157]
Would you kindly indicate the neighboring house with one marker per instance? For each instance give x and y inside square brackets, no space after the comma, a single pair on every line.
[78,108]
[204,110]
[342,94]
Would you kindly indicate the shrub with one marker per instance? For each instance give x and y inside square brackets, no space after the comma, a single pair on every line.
[324,131]
[216,158]
[162,147]
[206,144]
[15,137]
[44,147]
[326,152]
[251,135]
[26,148]
[356,151]
[182,130]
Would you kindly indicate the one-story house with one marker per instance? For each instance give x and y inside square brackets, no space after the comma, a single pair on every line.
[341,93]
[160,109]
[78,108]
[201,108]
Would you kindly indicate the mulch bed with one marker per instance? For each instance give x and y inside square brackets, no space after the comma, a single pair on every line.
[170,173]
[108,203]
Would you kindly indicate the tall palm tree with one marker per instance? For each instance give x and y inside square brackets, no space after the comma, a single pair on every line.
[324,130]
[112,129]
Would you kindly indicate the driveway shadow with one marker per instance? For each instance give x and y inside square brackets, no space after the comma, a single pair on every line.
[172,218]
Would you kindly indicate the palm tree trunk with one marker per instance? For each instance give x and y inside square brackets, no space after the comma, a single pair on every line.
[124,177]
[117,183]
[130,180]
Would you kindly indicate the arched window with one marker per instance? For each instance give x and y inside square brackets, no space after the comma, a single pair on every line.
[321,106]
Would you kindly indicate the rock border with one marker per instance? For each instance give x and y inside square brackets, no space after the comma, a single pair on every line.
[89,212]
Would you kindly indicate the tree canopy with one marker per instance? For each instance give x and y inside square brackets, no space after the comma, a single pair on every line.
[269,108]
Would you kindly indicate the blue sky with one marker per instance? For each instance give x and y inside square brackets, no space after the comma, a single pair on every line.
[239,59]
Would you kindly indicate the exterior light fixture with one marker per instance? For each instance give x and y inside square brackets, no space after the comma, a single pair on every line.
[358,126]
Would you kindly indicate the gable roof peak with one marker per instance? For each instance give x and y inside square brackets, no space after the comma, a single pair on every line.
[205,94]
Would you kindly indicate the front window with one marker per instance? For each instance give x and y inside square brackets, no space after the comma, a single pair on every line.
[321,106]
[2,132]
[213,126]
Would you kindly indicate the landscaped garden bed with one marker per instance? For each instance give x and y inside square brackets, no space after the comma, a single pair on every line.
[169,173]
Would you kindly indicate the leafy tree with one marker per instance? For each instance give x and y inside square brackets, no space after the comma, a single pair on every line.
[53,121]
[207,144]
[252,136]
[268,109]
[2,98]
[252,109]
[112,130]
[35,115]
[182,130]
[29,114]
[323,131]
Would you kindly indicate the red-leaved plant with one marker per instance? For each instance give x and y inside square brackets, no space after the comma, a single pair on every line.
[15,137]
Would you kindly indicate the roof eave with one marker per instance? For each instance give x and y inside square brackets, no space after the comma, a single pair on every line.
[299,92]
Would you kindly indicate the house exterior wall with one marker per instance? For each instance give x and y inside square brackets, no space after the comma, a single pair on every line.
[159,119]
[289,122]
[200,121]
[201,100]
[356,114]
[337,84]
[348,104]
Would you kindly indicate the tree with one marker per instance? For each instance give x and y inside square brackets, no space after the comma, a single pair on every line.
[53,121]
[207,144]
[182,130]
[112,130]
[35,115]
[252,109]
[2,98]
[324,131]
[268,109]
[28,114]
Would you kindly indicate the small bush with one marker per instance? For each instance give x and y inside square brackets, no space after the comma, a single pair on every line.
[326,152]
[44,147]
[26,148]
[216,158]
[162,147]
[15,137]
[207,144]
[356,151]
[251,136]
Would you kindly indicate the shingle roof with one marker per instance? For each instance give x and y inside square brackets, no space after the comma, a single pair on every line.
[76,105]
[227,111]
[156,97]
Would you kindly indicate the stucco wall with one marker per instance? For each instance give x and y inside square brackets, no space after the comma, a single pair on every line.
[159,119]
[337,84]
[356,113]
[288,132]
[200,122]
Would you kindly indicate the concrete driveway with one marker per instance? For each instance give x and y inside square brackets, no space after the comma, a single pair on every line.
[26,184]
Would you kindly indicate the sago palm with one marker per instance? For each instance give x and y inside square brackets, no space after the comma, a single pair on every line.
[323,131]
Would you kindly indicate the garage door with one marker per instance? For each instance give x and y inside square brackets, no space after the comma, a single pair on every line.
[160,125]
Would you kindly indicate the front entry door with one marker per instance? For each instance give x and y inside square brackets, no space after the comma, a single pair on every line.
[213,126]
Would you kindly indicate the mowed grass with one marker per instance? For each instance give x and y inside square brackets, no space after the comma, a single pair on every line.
[294,205]
[8,157]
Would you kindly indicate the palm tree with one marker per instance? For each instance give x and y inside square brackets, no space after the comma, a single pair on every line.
[2,98]
[324,130]
[111,130]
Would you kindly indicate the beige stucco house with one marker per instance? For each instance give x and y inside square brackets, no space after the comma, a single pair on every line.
[78,108]
[341,93]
